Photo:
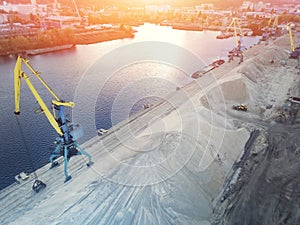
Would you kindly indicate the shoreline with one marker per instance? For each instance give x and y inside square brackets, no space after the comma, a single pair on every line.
[98,36]
[94,36]
[49,49]
[84,38]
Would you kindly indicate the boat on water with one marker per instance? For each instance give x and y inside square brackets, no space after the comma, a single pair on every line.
[208,68]
[187,27]
[49,49]
[217,63]
[228,34]
[224,35]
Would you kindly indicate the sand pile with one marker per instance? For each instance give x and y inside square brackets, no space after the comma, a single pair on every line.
[263,82]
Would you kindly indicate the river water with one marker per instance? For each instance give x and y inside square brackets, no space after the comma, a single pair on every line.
[108,82]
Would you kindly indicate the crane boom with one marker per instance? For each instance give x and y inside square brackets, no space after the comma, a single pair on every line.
[269,22]
[291,37]
[235,30]
[275,23]
[76,9]
[38,75]
[18,74]
[237,51]
[295,51]
[42,104]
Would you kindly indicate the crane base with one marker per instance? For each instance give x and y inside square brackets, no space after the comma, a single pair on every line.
[68,178]
[89,164]
[54,164]
[38,185]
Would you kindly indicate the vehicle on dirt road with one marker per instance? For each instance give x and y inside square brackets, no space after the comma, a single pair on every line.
[240,107]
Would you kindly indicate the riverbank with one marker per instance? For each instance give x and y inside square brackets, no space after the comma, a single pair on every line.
[49,49]
[79,37]
[92,37]
[198,27]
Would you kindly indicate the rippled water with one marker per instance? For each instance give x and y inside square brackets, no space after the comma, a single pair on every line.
[123,91]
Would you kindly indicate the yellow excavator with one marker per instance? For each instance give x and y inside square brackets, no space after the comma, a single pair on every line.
[66,144]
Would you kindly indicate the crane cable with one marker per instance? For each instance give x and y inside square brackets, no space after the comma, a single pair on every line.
[26,147]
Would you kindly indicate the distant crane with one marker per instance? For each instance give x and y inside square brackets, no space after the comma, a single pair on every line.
[275,21]
[76,9]
[274,26]
[237,31]
[270,30]
[295,52]
[238,50]
[235,28]
[66,144]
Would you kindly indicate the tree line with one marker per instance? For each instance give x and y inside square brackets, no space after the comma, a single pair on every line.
[48,38]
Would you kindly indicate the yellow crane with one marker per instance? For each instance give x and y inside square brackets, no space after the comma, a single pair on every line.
[66,144]
[238,50]
[291,37]
[295,52]
[18,74]
[235,30]
[275,21]
[270,30]
[269,22]
[273,28]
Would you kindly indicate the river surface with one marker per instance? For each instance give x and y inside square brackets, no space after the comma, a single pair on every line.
[127,74]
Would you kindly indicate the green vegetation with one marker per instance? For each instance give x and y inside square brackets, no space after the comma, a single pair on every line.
[48,38]
[57,37]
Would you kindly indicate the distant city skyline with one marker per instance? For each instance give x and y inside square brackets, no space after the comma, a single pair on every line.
[140,3]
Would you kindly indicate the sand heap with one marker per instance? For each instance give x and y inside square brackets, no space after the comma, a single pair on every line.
[173,162]
[263,186]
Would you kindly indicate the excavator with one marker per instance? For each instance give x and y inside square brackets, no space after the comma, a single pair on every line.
[240,107]
[68,132]
[295,52]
